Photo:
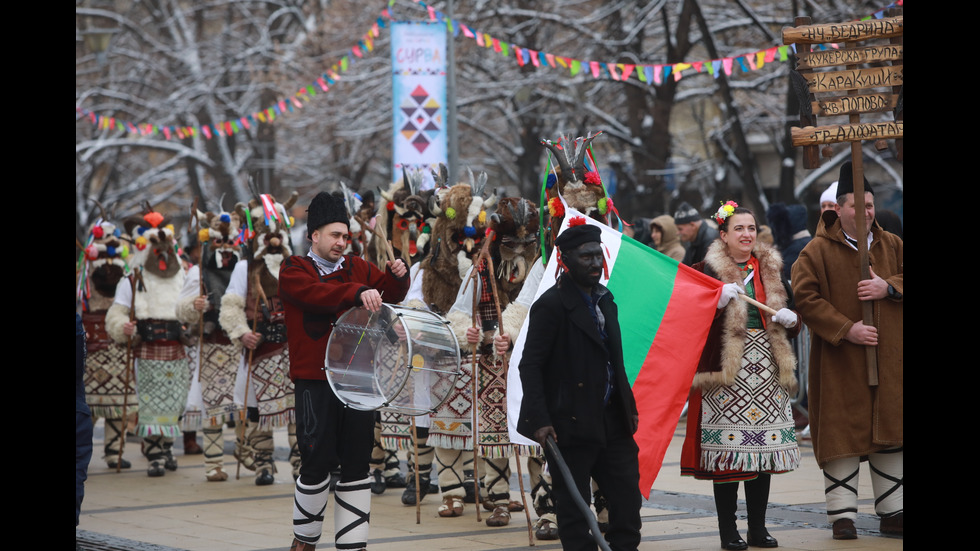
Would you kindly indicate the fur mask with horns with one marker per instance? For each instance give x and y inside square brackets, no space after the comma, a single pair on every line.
[461,223]
[104,256]
[271,243]
[152,236]
[572,181]
[515,245]
[405,220]
[223,241]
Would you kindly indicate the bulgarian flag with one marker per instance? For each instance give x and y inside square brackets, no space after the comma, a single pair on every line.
[665,311]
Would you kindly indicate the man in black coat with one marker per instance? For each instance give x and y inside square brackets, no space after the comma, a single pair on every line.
[576,392]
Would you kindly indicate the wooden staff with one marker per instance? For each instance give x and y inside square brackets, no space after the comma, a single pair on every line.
[864,259]
[491,235]
[756,303]
[418,492]
[129,365]
[260,296]
[476,399]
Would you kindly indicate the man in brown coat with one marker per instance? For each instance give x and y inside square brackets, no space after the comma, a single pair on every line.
[851,420]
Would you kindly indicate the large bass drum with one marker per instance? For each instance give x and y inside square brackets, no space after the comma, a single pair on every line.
[398,359]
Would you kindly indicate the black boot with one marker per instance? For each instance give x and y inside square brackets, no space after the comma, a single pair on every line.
[408,496]
[756,502]
[726,502]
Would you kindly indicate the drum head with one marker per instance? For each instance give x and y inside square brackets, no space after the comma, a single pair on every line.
[398,359]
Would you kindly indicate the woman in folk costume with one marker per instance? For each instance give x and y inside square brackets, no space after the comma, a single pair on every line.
[143,314]
[514,228]
[740,424]
[110,389]
[223,247]
[461,223]
[403,223]
[252,315]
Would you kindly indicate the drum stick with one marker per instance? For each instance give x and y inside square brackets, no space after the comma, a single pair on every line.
[757,304]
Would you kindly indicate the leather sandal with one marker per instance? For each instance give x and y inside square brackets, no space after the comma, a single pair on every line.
[500,516]
[300,546]
[452,506]
[216,474]
[512,506]
[545,530]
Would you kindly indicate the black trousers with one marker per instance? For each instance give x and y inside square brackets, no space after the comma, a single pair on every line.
[616,470]
[330,434]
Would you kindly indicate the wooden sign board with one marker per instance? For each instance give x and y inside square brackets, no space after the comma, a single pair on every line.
[856,79]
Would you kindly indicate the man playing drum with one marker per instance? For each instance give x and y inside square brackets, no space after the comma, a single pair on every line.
[316,290]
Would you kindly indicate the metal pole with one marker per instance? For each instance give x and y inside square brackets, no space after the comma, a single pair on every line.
[452,134]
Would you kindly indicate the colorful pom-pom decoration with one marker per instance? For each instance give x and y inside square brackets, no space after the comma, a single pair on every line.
[550,181]
[592,177]
[426,229]
[111,251]
[169,228]
[470,231]
[450,213]
[153,218]
[483,217]
[203,235]
[576,221]
[390,206]
[555,207]
[140,243]
[225,217]
[91,252]
[97,232]
[125,252]
[603,206]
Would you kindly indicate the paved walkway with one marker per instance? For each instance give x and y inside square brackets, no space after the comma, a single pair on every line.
[182,511]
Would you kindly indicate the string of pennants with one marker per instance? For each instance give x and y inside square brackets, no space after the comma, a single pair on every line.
[653,74]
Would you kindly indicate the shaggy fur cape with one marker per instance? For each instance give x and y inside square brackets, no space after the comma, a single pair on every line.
[722,356]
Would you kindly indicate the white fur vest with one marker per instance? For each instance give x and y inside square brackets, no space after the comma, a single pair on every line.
[719,263]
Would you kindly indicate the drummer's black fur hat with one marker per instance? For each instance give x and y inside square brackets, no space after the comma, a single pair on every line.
[325,208]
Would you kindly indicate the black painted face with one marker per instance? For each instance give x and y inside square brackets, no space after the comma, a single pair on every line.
[584,264]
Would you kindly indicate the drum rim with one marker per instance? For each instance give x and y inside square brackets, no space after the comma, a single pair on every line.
[387,405]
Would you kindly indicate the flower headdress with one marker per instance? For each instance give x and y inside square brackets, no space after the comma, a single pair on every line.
[724,211]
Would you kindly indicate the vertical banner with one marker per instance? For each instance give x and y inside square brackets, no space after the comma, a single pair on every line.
[418,60]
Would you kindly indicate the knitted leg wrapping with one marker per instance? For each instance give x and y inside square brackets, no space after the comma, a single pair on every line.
[352,514]
[888,481]
[309,502]
[840,478]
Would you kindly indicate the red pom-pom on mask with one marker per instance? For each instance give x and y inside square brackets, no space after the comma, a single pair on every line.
[593,178]
[576,221]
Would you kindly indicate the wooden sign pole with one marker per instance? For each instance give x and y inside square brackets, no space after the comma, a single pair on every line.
[870,81]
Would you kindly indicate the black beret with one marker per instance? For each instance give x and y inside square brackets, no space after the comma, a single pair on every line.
[574,236]
[845,182]
[325,208]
